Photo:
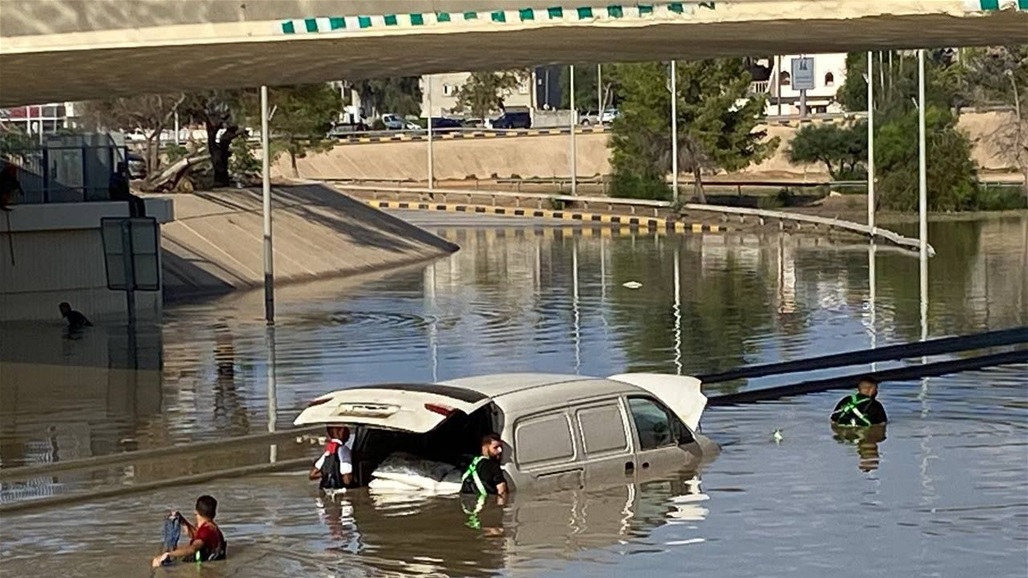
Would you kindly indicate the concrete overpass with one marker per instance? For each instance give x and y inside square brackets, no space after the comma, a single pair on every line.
[53,50]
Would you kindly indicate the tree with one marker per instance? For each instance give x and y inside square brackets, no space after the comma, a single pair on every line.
[952,175]
[151,113]
[1000,75]
[215,110]
[485,92]
[303,115]
[585,88]
[842,149]
[717,124]
[400,95]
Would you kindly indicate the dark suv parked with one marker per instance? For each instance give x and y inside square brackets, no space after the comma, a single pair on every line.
[509,120]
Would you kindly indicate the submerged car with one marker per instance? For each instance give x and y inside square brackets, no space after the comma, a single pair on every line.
[560,431]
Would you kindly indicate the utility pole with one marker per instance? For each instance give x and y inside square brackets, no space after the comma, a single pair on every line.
[870,144]
[574,145]
[269,266]
[674,132]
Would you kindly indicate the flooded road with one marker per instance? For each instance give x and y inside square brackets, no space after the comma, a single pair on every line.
[945,493]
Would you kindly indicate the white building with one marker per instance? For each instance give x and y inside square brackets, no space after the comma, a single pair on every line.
[783,99]
[444,88]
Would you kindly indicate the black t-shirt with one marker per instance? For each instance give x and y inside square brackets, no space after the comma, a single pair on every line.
[491,475]
[77,320]
[870,408]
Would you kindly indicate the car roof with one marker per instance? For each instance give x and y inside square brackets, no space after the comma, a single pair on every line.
[503,384]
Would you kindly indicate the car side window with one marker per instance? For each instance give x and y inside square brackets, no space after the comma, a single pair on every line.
[656,425]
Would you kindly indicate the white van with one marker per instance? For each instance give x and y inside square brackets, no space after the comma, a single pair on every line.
[559,431]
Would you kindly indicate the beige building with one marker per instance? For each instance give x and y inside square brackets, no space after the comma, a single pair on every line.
[441,91]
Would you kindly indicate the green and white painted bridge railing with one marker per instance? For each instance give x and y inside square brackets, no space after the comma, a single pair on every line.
[663,11]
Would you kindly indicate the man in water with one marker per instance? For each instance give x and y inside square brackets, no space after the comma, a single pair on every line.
[75,319]
[335,467]
[860,409]
[206,542]
[484,475]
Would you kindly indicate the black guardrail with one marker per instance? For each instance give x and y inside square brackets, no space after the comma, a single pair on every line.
[850,381]
[941,346]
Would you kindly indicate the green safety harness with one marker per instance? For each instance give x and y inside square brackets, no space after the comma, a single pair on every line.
[472,472]
[851,411]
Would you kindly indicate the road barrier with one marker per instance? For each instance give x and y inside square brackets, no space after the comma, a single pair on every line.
[850,381]
[633,205]
[944,345]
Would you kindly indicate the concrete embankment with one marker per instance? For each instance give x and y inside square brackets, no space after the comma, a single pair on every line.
[215,243]
[548,156]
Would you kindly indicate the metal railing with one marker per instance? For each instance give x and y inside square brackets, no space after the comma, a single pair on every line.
[634,204]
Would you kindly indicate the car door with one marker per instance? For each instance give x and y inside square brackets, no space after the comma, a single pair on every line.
[660,437]
[606,440]
[545,452]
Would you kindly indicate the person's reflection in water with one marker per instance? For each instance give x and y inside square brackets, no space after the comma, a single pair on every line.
[337,513]
[227,402]
[482,515]
[866,440]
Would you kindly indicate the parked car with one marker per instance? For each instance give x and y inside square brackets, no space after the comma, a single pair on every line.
[440,124]
[561,430]
[397,122]
[593,117]
[345,129]
[512,120]
[609,115]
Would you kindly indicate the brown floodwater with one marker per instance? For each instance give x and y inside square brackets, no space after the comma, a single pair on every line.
[122,429]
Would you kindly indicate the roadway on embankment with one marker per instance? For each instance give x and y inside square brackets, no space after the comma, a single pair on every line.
[549,156]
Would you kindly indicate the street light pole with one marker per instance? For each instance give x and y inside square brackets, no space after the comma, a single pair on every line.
[574,144]
[431,161]
[870,144]
[599,93]
[922,191]
[674,132]
[269,267]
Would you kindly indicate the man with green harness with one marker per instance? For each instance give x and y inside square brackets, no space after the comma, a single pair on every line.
[860,409]
[483,478]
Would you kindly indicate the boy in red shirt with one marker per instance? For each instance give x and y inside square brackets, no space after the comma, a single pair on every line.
[206,542]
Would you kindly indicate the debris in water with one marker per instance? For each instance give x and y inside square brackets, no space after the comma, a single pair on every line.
[777,436]
[632,285]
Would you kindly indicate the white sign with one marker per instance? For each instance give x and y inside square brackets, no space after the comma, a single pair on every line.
[803,73]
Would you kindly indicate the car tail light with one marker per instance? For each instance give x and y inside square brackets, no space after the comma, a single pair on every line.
[439,408]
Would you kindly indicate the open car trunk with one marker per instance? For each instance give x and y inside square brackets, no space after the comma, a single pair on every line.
[434,422]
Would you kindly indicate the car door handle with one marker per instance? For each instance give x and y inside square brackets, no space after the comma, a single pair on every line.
[629,467]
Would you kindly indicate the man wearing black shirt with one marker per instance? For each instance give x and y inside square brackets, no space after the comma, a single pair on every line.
[860,409]
[484,475]
[75,319]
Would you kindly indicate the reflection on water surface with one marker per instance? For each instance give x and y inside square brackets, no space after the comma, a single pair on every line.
[942,494]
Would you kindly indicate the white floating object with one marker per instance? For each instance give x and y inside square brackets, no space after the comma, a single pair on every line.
[777,436]
[632,285]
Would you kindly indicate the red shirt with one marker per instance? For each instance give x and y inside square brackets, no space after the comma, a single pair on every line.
[213,542]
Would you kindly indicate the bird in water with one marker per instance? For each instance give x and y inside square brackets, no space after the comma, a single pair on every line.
[777,436]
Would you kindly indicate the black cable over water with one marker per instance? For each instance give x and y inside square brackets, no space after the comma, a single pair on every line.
[945,345]
[849,381]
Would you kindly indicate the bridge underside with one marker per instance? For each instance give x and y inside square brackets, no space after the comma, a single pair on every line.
[137,67]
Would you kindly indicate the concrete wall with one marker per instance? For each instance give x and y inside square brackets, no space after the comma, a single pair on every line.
[215,244]
[58,256]
[548,156]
